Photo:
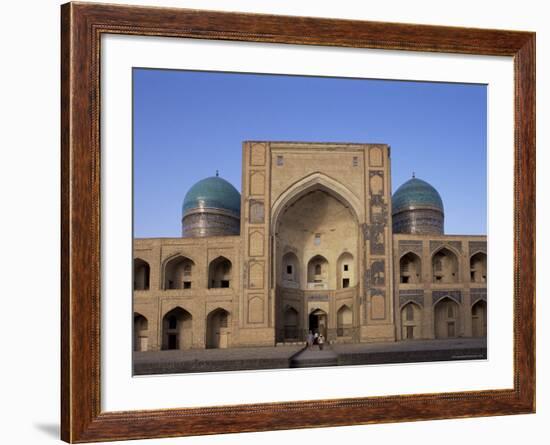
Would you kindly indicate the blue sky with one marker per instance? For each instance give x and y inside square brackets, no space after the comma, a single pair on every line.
[188,124]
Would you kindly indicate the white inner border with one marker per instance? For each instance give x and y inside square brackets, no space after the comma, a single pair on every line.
[121,391]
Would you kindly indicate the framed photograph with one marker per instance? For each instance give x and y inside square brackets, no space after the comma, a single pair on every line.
[276,222]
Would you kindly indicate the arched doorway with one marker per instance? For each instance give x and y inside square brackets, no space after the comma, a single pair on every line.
[446,318]
[318,322]
[217,329]
[479,319]
[291,324]
[410,322]
[177,329]
[142,272]
[219,273]
[344,322]
[141,334]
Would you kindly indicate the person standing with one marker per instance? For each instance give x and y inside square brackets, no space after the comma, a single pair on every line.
[321,341]
[309,339]
[315,338]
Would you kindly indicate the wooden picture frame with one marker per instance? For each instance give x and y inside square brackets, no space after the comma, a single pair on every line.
[82,26]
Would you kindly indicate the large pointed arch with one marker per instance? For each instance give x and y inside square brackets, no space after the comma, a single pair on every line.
[316,181]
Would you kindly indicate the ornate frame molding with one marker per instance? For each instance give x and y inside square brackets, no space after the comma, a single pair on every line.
[81,28]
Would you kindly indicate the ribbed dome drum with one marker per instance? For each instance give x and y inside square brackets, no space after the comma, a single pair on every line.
[417,208]
[211,207]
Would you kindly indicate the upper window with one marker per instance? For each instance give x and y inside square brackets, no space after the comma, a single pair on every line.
[172,322]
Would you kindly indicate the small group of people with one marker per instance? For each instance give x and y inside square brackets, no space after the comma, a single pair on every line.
[315,339]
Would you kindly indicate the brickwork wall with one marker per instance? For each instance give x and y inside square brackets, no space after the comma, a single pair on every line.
[426,293]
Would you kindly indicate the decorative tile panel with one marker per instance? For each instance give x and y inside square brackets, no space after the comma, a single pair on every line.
[453,294]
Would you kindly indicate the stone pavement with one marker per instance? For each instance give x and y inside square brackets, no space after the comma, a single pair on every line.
[205,360]
[412,351]
[297,356]
[313,357]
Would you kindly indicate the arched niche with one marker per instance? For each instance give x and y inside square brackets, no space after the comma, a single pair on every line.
[479,319]
[141,333]
[219,273]
[177,330]
[411,315]
[345,273]
[446,318]
[410,269]
[478,268]
[142,273]
[344,321]
[218,324]
[445,266]
[318,272]
[290,270]
[291,324]
[178,273]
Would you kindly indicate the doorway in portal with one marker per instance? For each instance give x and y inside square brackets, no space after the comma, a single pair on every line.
[318,322]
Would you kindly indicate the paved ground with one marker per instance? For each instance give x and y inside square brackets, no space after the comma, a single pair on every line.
[204,360]
[163,362]
[219,354]
[314,357]
[413,345]
[412,351]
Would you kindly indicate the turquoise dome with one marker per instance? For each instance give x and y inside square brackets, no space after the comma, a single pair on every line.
[416,194]
[213,193]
